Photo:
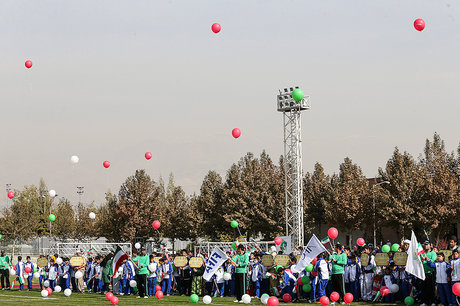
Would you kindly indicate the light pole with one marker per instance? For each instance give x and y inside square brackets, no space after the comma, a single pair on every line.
[373,205]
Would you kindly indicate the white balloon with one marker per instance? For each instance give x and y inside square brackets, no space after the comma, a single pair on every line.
[246,298]
[74,159]
[78,274]
[120,270]
[59,260]
[264,298]
[394,288]
[52,193]
[44,293]
[67,292]
[37,275]
[57,289]
[207,299]
[46,284]
[92,215]
[12,272]
[132,283]
[137,245]
[227,276]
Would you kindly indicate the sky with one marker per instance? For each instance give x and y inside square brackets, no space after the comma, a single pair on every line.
[114,79]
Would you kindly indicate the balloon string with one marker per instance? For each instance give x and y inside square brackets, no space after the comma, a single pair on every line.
[238,228]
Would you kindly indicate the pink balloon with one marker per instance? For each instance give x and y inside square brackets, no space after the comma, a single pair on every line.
[148,155]
[273,301]
[156,224]
[348,298]
[158,288]
[384,290]
[236,132]
[278,240]
[114,300]
[360,242]
[216,28]
[287,298]
[106,164]
[109,296]
[456,289]
[332,233]
[335,296]
[324,300]
[49,291]
[313,262]
[419,24]
[159,295]
[10,195]
[28,64]
[27,270]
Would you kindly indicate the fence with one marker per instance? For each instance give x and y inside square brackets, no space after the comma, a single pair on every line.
[68,249]
[207,247]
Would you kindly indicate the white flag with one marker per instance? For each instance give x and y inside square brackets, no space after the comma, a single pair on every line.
[313,249]
[217,259]
[414,265]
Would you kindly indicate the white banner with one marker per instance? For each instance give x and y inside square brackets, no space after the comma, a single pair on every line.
[285,245]
[313,249]
[216,260]
[414,265]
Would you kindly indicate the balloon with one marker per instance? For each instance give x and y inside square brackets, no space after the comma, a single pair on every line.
[10,194]
[158,288]
[74,159]
[409,300]
[313,262]
[236,132]
[57,289]
[148,155]
[137,245]
[395,247]
[59,260]
[227,276]
[306,288]
[385,248]
[394,288]
[234,224]
[27,269]
[132,283]
[419,24]
[67,292]
[287,298]
[52,218]
[273,301]
[314,273]
[207,299]
[309,268]
[456,289]
[109,296]
[0,236]
[278,240]
[348,298]
[305,280]
[335,296]
[114,300]
[264,298]
[46,284]
[194,298]
[384,290]
[92,215]
[299,281]
[106,164]
[78,274]
[44,293]
[159,295]
[216,28]
[156,224]
[52,193]
[297,95]
[324,300]
[37,275]
[360,242]
[28,64]
[49,291]
[234,245]
[332,233]
[246,298]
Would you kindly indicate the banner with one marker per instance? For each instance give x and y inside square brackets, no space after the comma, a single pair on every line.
[400,258]
[313,249]
[382,259]
[285,245]
[267,260]
[414,265]
[180,261]
[217,259]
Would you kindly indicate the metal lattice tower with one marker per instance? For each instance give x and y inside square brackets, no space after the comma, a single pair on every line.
[293,162]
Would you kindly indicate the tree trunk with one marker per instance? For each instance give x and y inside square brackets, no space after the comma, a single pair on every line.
[12,253]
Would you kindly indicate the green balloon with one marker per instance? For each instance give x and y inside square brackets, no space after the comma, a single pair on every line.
[234,245]
[0,236]
[395,247]
[194,298]
[305,280]
[297,95]
[263,296]
[52,218]
[306,288]
[309,268]
[386,248]
[409,300]
[234,224]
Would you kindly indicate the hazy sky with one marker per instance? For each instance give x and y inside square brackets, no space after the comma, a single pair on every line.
[114,79]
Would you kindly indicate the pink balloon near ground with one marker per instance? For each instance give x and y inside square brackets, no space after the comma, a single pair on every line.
[348,298]
[148,155]
[360,242]
[335,296]
[28,64]
[216,28]
[10,195]
[156,224]
[324,300]
[109,296]
[419,24]
[236,132]
[273,301]
[159,295]
[278,240]
[332,233]
[49,291]
[456,289]
[106,164]
[114,300]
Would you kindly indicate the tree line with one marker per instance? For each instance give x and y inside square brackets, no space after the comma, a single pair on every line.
[423,194]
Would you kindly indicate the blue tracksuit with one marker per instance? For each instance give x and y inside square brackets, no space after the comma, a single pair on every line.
[30,276]
[167,275]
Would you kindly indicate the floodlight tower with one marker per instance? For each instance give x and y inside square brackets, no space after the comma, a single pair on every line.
[293,162]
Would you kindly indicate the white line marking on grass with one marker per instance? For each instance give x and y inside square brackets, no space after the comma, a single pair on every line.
[28,297]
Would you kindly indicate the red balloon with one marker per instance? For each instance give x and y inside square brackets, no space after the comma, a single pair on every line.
[159,295]
[109,296]
[384,290]
[287,298]
[456,289]
[158,288]
[106,164]
[148,155]
[28,64]
[273,301]
[236,132]
[49,291]
[314,273]
[348,298]
[27,270]
[114,300]
[332,233]
[360,241]
[313,262]
[324,300]
[335,296]
[10,194]
[299,281]
[278,240]
[419,24]
[216,27]
[156,224]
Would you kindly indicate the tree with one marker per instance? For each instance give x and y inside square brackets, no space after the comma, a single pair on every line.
[108,220]
[86,227]
[65,225]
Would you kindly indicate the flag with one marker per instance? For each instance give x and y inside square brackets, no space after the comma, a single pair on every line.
[313,249]
[414,265]
[90,251]
[420,249]
[217,259]
[118,259]
[326,241]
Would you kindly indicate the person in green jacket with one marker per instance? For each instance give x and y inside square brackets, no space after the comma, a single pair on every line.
[142,262]
[428,289]
[339,261]
[5,264]
[241,261]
